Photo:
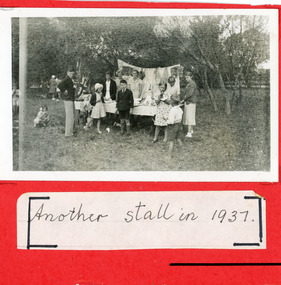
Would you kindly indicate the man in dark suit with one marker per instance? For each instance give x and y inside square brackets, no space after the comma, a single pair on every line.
[109,88]
[125,101]
[67,89]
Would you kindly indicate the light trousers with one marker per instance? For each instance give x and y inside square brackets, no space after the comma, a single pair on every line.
[69,118]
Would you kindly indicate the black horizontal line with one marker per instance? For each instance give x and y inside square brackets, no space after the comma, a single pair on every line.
[39,198]
[44,245]
[226,264]
[246,244]
[251,197]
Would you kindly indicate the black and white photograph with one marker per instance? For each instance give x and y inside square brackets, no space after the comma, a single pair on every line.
[188,95]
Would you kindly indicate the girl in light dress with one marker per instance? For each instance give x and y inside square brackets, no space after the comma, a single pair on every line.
[98,110]
[163,108]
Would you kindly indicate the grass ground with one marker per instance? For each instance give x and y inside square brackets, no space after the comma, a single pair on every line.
[240,141]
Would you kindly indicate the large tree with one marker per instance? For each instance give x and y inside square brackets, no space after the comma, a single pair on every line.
[218,46]
[246,45]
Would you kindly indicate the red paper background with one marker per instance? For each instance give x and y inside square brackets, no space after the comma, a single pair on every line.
[135,266]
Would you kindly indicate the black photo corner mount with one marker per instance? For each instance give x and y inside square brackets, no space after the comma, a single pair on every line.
[29,245]
[239,244]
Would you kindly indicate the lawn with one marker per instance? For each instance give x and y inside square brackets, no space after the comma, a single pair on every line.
[240,141]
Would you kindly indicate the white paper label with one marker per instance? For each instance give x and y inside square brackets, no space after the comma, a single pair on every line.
[141,220]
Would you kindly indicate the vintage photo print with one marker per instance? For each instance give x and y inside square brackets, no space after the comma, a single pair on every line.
[140,95]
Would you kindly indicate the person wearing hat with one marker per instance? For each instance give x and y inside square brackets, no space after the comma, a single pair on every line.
[53,87]
[174,123]
[67,89]
[98,111]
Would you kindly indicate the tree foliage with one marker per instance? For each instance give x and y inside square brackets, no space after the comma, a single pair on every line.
[218,49]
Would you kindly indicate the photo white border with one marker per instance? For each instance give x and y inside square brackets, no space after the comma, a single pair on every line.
[6,145]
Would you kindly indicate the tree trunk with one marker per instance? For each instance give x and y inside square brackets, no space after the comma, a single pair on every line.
[225,93]
[209,91]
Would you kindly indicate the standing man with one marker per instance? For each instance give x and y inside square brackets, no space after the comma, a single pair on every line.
[67,89]
[109,88]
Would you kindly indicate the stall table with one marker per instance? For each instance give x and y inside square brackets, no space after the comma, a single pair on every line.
[140,110]
[110,107]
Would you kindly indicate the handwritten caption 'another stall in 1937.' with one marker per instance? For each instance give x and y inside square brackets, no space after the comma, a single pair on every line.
[141,220]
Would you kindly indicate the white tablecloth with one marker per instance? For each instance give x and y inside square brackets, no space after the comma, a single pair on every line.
[144,110]
[110,107]
[140,110]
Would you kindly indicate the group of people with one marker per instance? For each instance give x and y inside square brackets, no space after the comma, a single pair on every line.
[173,110]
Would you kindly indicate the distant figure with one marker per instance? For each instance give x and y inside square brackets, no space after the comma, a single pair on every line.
[53,87]
[190,100]
[58,90]
[109,88]
[67,89]
[42,118]
[98,111]
[15,99]
[174,123]
[125,101]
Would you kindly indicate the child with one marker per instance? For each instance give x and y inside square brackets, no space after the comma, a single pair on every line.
[58,90]
[39,115]
[174,123]
[15,99]
[85,106]
[98,111]
[163,107]
[42,118]
[125,101]
[190,100]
